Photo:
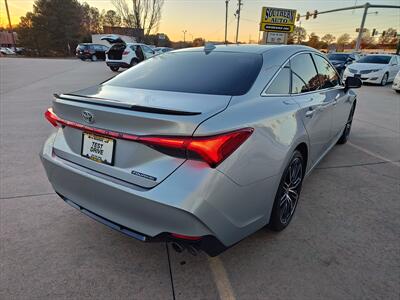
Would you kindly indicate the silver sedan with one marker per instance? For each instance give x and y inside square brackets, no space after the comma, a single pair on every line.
[199,147]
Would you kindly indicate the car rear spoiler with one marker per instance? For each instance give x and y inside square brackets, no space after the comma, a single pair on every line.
[122,105]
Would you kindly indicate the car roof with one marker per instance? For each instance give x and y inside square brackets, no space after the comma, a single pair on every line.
[382,54]
[137,44]
[252,48]
[88,44]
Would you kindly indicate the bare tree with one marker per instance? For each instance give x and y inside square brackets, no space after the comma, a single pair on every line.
[298,35]
[344,39]
[328,38]
[390,37]
[111,18]
[145,14]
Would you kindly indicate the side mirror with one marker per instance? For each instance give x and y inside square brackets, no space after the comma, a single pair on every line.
[352,83]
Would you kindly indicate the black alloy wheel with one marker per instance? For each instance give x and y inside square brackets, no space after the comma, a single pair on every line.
[288,193]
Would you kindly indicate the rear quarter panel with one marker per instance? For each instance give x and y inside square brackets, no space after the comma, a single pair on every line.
[278,129]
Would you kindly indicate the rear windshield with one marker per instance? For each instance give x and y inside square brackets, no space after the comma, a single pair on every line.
[338,56]
[82,47]
[375,59]
[216,73]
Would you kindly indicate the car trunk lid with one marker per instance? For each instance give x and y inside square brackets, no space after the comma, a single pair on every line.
[137,112]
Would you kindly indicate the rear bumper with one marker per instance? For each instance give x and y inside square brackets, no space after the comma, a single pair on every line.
[83,55]
[206,204]
[208,244]
[117,64]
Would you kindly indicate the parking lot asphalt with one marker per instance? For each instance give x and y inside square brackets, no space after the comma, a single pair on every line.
[343,243]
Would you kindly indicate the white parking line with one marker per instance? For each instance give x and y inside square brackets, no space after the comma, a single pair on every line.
[221,279]
[395,163]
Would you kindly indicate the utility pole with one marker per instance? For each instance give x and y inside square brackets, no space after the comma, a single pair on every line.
[365,6]
[184,35]
[226,21]
[10,26]
[360,34]
[238,19]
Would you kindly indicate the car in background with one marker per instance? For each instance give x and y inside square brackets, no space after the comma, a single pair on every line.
[396,83]
[20,50]
[199,147]
[125,55]
[91,51]
[374,68]
[160,50]
[7,51]
[341,60]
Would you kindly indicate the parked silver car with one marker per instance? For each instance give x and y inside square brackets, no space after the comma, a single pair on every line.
[201,146]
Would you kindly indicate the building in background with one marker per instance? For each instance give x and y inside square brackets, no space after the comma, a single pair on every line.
[6,39]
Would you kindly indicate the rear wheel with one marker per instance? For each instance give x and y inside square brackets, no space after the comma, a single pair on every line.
[288,193]
[94,57]
[384,79]
[346,132]
[398,91]
[115,69]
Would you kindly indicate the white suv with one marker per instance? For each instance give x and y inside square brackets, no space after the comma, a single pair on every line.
[125,55]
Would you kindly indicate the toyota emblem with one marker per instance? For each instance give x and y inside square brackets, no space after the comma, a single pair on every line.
[88,116]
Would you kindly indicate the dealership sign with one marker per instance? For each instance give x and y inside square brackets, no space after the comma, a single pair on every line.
[277,19]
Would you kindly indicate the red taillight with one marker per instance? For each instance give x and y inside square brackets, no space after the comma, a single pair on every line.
[51,117]
[216,149]
[125,52]
[185,237]
[211,149]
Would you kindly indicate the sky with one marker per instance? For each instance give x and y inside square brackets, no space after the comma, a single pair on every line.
[206,18]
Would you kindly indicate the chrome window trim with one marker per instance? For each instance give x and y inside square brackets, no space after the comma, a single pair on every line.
[264,92]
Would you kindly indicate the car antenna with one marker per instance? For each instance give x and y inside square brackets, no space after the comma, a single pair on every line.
[208,47]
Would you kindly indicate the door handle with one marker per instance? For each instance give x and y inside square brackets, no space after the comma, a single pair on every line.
[310,112]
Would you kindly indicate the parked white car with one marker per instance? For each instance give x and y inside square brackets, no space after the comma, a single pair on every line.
[7,51]
[161,50]
[396,83]
[374,68]
[125,55]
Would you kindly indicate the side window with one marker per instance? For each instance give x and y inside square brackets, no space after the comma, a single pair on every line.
[147,50]
[327,75]
[304,75]
[281,83]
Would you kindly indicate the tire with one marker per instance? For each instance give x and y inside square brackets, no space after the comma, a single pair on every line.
[94,57]
[346,131]
[134,62]
[384,79]
[114,69]
[288,193]
[397,91]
